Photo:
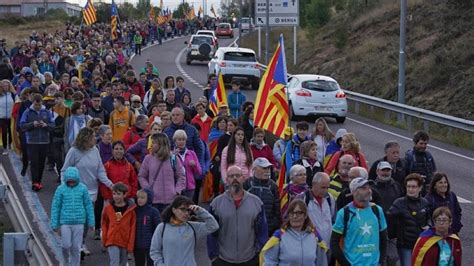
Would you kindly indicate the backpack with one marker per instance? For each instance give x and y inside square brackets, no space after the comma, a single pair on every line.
[194,232]
[307,199]
[348,214]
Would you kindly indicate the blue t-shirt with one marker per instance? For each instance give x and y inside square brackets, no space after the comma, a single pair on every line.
[445,257]
[361,243]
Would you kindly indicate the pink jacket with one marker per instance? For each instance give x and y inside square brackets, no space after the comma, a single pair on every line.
[191,171]
[166,184]
[240,159]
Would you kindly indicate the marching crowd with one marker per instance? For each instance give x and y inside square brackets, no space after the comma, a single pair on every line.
[135,156]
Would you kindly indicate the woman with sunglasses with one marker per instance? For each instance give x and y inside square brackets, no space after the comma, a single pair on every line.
[297,242]
[437,246]
[175,238]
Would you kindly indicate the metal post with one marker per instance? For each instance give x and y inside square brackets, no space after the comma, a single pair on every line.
[401,60]
[259,42]
[294,45]
[240,23]
[13,242]
[267,30]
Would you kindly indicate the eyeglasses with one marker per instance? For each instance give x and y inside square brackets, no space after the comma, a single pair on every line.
[442,221]
[234,175]
[184,209]
[296,213]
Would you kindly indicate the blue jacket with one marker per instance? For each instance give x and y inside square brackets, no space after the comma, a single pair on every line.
[235,100]
[37,135]
[193,142]
[148,219]
[293,152]
[71,204]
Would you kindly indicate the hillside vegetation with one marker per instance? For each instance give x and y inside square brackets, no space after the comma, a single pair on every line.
[359,47]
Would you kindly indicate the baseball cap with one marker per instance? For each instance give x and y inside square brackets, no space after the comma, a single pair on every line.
[288,131]
[384,165]
[136,98]
[358,182]
[261,162]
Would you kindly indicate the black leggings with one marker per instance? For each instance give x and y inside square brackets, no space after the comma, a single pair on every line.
[197,190]
[6,132]
[142,257]
[98,207]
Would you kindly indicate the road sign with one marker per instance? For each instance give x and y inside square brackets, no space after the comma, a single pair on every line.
[277,7]
[278,21]
[281,12]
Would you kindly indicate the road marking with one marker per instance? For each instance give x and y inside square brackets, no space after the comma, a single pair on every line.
[406,138]
[461,200]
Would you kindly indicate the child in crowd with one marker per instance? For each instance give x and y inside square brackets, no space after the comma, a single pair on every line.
[118,226]
[70,210]
[148,219]
[189,160]
[236,99]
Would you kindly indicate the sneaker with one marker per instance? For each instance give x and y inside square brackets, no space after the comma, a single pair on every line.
[97,234]
[85,250]
[36,186]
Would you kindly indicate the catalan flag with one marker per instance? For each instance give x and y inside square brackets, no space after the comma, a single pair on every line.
[114,21]
[218,96]
[213,10]
[88,13]
[271,106]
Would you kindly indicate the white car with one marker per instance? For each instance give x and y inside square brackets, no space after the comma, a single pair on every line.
[200,47]
[208,32]
[316,95]
[247,24]
[236,64]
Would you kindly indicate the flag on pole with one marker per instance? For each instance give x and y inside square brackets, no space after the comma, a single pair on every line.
[200,11]
[271,105]
[151,14]
[213,10]
[88,13]
[218,96]
[114,21]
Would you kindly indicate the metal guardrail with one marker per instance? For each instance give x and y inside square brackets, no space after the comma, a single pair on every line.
[35,252]
[426,115]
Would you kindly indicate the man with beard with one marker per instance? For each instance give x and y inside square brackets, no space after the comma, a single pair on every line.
[419,160]
[243,227]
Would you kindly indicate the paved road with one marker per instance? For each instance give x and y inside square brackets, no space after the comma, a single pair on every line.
[456,162]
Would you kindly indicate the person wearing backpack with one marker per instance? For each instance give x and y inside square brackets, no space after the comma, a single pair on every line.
[262,186]
[420,160]
[174,240]
[162,173]
[359,235]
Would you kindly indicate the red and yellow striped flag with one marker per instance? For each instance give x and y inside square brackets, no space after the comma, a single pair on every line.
[218,96]
[271,106]
[114,21]
[88,13]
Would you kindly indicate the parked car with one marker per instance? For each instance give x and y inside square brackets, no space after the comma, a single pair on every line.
[236,64]
[247,24]
[224,29]
[316,95]
[200,47]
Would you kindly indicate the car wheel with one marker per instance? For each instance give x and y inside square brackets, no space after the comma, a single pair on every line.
[340,120]
[293,117]
[188,61]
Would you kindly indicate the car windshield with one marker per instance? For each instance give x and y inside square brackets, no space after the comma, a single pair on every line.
[223,26]
[201,40]
[240,56]
[245,20]
[320,85]
[205,33]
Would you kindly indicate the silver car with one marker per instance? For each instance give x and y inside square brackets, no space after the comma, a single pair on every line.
[316,95]
[236,64]
[200,47]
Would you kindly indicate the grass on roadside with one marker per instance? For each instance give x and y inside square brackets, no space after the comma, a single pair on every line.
[21,32]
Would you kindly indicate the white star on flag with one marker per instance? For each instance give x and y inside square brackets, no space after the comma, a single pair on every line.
[443,257]
[366,229]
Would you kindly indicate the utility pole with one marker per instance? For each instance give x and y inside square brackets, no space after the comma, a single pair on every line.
[267,30]
[402,55]
[240,23]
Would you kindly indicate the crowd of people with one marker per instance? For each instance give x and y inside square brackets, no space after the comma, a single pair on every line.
[135,158]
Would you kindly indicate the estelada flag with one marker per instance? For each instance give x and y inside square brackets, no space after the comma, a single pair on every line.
[88,13]
[271,106]
[218,96]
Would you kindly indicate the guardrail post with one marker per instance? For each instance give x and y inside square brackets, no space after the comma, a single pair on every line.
[3,192]
[409,123]
[356,107]
[426,126]
[13,242]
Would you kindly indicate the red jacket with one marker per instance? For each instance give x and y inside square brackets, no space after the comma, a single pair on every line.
[120,171]
[426,250]
[265,152]
[119,231]
[359,159]
[131,137]
[205,126]
[136,88]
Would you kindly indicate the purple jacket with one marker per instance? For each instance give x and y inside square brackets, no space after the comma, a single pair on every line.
[167,183]
[138,148]
[192,173]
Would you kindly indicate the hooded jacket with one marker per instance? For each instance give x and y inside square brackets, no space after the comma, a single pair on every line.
[71,204]
[148,218]
[119,231]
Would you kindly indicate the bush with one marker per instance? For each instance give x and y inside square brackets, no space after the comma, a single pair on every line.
[317,13]
[341,36]
[57,13]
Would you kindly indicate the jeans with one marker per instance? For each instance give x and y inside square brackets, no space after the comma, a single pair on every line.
[71,238]
[405,256]
[117,256]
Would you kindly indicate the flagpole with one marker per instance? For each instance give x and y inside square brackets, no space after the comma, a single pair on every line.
[282,47]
